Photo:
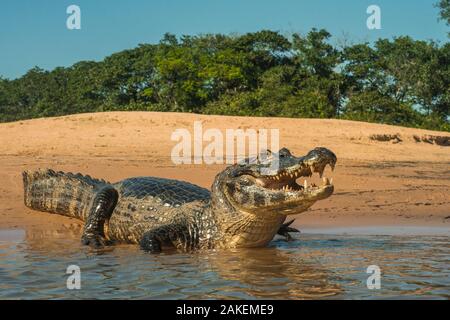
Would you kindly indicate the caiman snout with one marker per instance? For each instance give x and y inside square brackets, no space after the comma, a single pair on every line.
[278,181]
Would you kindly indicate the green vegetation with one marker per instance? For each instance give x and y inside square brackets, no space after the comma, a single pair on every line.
[444,11]
[400,81]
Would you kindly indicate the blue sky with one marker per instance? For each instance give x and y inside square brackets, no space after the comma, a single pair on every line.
[34,33]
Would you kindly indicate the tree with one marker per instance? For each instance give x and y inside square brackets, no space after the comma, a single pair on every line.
[444,7]
[408,71]
[374,107]
[398,81]
[313,54]
[317,61]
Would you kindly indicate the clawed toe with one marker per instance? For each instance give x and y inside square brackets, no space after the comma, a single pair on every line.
[95,241]
[149,244]
[285,229]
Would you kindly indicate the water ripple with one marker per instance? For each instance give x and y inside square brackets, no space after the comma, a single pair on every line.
[312,267]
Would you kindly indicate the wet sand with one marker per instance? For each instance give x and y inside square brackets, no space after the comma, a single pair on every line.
[377,183]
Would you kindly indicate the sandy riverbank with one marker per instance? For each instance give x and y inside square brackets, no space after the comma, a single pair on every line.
[402,183]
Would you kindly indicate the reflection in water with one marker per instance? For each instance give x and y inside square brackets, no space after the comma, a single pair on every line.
[272,273]
[33,265]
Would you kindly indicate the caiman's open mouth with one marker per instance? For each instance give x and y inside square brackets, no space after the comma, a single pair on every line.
[288,180]
[271,184]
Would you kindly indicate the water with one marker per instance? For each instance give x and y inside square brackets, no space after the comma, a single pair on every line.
[314,266]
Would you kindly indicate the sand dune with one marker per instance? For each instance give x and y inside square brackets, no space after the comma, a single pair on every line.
[386,175]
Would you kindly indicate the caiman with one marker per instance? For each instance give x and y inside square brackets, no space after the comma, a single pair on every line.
[247,206]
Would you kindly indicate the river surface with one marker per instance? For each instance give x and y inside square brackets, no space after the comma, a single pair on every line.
[319,264]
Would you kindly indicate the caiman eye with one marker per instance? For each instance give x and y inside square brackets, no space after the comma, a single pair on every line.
[284,153]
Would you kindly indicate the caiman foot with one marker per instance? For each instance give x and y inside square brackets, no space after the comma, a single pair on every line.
[285,229]
[94,240]
[152,240]
[149,243]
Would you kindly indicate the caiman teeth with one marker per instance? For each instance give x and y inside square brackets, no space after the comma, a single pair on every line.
[286,179]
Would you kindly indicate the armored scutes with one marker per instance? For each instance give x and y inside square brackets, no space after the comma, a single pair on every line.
[246,207]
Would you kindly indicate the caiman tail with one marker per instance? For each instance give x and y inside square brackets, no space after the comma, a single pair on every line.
[66,194]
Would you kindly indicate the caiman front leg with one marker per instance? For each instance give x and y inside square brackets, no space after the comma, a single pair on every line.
[177,235]
[285,229]
[101,210]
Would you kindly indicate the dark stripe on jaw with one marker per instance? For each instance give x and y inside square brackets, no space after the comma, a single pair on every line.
[260,199]
[278,197]
[244,198]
